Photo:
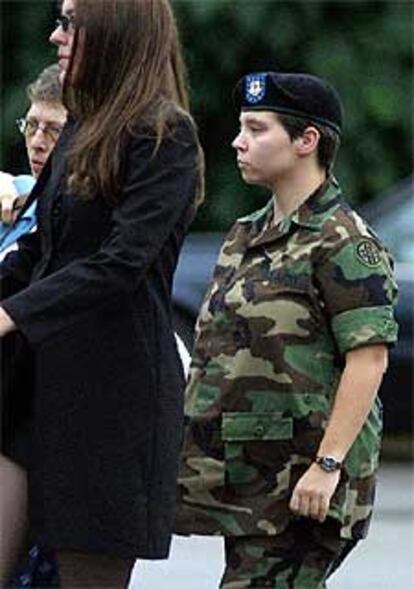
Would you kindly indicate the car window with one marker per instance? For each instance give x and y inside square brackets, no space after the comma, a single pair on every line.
[395,228]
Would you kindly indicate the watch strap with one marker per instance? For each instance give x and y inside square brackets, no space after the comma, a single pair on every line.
[328,463]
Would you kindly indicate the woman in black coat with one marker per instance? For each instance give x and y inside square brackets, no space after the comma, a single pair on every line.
[98,424]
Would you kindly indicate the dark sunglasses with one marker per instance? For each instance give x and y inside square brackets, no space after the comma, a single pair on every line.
[67,23]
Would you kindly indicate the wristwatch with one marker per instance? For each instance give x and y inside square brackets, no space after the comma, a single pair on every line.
[328,463]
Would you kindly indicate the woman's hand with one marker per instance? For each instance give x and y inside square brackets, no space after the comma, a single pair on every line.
[360,381]
[6,323]
[313,493]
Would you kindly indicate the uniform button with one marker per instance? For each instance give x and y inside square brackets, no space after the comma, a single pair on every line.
[57,209]
[307,399]
[259,431]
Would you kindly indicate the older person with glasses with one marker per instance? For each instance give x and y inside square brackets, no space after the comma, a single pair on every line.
[41,127]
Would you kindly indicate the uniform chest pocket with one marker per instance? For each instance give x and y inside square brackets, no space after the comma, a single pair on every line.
[257,448]
[269,289]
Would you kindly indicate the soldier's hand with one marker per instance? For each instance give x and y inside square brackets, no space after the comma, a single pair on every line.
[313,492]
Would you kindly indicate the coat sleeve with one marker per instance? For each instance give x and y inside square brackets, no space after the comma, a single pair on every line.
[157,189]
[17,267]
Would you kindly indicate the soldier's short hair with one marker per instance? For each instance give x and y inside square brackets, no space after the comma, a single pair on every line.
[46,87]
[329,141]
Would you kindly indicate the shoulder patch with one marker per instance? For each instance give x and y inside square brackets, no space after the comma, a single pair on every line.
[368,252]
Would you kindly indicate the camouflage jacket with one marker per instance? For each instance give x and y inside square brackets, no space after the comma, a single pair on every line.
[285,304]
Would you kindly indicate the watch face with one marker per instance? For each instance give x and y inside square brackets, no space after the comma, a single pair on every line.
[328,463]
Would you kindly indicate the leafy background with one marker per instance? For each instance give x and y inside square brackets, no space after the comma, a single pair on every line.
[363,47]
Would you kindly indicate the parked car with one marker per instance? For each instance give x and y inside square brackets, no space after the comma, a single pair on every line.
[392,217]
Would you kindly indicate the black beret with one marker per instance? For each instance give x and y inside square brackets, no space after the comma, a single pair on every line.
[300,95]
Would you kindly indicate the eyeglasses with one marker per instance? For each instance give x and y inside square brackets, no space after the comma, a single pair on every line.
[67,23]
[28,128]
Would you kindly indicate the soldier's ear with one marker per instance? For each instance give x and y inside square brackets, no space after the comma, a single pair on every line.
[307,143]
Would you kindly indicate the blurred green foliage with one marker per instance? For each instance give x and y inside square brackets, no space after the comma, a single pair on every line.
[25,27]
[363,47]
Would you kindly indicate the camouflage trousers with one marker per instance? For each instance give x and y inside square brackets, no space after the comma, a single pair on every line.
[302,557]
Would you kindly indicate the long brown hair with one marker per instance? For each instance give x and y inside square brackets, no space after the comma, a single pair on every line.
[126,67]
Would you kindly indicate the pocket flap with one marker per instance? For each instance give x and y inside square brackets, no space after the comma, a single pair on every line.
[242,426]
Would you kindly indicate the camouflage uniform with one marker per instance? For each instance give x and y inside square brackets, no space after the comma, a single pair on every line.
[285,304]
[301,557]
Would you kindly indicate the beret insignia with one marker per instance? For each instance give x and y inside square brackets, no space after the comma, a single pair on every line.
[255,88]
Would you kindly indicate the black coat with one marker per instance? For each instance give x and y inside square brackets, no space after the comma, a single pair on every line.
[90,292]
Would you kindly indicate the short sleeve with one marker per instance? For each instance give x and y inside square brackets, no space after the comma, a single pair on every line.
[359,293]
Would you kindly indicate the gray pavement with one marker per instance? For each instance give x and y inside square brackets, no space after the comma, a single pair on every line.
[384,561]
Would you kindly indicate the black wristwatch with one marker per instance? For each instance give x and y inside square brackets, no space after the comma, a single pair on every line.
[328,463]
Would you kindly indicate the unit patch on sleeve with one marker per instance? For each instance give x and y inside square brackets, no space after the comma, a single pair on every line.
[368,253]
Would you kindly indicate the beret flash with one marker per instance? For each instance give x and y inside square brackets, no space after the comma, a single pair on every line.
[301,95]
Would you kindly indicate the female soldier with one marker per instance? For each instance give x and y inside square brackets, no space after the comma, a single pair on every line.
[90,292]
[291,347]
